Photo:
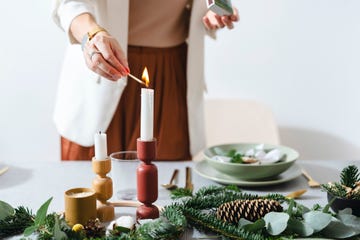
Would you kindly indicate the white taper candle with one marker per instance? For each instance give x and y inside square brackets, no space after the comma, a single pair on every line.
[100,146]
[147,114]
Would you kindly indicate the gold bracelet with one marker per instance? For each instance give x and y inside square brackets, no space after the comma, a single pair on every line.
[95,31]
[89,35]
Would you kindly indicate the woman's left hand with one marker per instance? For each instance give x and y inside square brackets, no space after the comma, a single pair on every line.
[214,21]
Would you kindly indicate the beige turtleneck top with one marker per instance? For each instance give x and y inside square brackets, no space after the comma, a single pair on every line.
[158,23]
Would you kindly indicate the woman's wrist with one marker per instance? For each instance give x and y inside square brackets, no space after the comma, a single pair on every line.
[82,25]
[90,35]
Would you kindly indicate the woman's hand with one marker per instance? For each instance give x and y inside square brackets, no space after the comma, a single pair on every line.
[214,21]
[102,53]
[104,56]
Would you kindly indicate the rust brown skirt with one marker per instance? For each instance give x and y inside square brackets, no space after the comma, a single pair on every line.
[167,73]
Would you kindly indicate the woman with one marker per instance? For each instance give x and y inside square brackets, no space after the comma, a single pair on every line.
[119,37]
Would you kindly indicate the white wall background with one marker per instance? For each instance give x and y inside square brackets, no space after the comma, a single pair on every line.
[301,58]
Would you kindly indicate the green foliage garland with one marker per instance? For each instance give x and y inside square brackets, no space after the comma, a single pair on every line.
[198,210]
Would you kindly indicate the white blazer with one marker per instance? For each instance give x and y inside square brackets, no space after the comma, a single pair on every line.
[86,102]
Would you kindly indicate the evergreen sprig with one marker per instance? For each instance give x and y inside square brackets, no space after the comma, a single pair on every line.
[349,176]
[160,229]
[174,215]
[208,222]
[336,189]
[180,193]
[16,223]
[199,211]
[347,187]
[208,201]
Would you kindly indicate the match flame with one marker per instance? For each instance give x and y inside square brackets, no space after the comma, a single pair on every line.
[145,77]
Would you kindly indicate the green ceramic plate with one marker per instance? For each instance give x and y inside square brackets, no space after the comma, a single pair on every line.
[249,171]
[205,170]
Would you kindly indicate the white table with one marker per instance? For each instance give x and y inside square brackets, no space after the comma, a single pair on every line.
[31,183]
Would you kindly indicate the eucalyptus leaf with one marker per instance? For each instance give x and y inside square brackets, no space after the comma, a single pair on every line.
[122,229]
[256,226]
[58,234]
[317,220]
[29,230]
[41,213]
[345,211]
[337,229]
[349,220]
[5,210]
[327,206]
[305,209]
[276,222]
[291,206]
[301,228]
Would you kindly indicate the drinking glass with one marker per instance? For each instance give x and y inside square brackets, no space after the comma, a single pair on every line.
[123,174]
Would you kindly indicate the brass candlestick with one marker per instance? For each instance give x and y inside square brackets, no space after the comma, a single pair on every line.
[103,186]
[147,180]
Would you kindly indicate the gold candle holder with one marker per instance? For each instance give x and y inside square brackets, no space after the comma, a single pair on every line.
[80,205]
[103,186]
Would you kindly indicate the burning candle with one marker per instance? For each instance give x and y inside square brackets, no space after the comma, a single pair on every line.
[147,110]
[100,146]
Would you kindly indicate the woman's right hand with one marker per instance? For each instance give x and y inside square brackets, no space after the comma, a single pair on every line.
[102,53]
[104,56]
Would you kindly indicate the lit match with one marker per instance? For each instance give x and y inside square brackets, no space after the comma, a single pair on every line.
[136,79]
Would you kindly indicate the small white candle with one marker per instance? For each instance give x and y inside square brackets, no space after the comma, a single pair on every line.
[100,146]
[147,114]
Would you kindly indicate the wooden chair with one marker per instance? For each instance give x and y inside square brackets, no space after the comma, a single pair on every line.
[237,121]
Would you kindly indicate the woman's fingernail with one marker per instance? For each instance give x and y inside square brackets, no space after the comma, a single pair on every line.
[127,70]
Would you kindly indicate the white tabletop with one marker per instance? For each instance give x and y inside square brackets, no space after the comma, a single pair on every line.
[30,184]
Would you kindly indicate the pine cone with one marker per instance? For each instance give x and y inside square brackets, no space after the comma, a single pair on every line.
[94,228]
[251,210]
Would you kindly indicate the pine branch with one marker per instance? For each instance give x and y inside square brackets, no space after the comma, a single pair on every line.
[214,201]
[349,176]
[159,229]
[211,190]
[208,222]
[16,223]
[336,189]
[174,214]
[354,195]
[180,193]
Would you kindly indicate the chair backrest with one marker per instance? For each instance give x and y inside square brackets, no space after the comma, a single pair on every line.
[237,121]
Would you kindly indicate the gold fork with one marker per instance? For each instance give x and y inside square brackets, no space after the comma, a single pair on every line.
[188,183]
[311,182]
[3,170]
[296,194]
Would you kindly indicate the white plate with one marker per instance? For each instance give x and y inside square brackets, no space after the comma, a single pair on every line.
[205,170]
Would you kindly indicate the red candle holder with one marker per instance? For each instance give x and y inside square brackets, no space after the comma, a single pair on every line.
[147,180]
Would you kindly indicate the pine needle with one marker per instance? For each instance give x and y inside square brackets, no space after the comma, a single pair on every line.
[16,223]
